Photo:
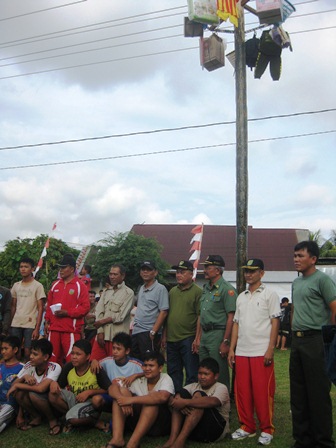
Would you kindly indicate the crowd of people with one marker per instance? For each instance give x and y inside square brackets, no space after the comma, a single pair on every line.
[87,361]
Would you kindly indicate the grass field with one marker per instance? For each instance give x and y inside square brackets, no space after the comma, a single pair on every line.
[39,437]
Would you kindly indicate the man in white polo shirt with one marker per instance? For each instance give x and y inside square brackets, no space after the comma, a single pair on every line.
[253,339]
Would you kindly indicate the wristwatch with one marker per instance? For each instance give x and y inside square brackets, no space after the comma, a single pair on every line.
[152,333]
[226,341]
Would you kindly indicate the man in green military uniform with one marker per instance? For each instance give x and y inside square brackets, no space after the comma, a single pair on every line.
[218,305]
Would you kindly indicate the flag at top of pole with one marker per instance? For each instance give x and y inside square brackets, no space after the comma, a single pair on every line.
[196,247]
[44,252]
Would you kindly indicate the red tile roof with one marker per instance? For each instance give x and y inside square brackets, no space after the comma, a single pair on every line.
[273,246]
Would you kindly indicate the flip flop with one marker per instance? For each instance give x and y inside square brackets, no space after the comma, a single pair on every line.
[68,429]
[52,431]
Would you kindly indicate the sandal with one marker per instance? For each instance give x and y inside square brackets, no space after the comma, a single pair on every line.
[68,429]
[53,431]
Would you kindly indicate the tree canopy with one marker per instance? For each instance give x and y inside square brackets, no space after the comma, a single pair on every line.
[327,247]
[130,250]
[19,248]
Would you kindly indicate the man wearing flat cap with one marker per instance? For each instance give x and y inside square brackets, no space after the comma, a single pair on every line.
[254,334]
[182,329]
[64,322]
[152,310]
[218,305]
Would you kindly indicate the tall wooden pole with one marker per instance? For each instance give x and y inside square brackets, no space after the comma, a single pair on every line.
[241,152]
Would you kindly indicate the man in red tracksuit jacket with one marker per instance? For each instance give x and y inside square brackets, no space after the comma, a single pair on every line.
[64,325]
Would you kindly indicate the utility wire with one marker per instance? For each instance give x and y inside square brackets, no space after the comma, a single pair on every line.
[225,30]
[157,131]
[17,42]
[56,33]
[127,58]
[41,10]
[168,151]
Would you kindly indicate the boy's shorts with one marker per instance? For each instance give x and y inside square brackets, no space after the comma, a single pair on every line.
[108,401]
[78,410]
[161,426]
[211,426]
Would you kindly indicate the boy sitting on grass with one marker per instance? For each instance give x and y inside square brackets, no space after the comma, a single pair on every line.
[121,368]
[142,408]
[9,368]
[31,387]
[76,385]
[200,411]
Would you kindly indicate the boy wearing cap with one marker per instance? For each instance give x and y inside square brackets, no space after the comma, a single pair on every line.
[218,305]
[27,306]
[152,310]
[181,334]
[65,325]
[253,339]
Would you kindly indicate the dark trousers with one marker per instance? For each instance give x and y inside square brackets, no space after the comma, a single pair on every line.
[142,343]
[179,356]
[310,394]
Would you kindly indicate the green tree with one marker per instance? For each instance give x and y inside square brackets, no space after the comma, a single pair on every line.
[130,250]
[28,247]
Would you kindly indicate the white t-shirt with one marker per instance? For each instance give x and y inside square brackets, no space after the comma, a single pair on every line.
[27,294]
[253,315]
[52,372]
[139,386]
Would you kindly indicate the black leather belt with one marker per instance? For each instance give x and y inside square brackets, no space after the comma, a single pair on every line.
[306,333]
[209,327]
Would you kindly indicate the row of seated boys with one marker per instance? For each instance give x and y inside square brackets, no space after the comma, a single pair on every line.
[141,397]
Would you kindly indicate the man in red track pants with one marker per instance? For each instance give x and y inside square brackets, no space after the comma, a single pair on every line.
[253,339]
[64,324]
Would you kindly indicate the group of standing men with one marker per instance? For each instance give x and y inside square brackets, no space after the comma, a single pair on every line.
[193,324]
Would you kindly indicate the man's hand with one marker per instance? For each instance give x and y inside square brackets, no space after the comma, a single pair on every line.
[36,334]
[268,357]
[178,403]
[224,350]
[195,346]
[231,358]
[95,367]
[124,401]
[83,396]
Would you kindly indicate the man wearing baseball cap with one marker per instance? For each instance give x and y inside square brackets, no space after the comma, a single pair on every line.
[152,310]
[181,333]
[218,305]
[64,325]
[253,340]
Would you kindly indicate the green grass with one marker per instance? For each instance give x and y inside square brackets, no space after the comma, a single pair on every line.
[39,437]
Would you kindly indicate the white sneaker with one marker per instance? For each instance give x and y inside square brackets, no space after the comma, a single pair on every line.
[240,434]
[265,439]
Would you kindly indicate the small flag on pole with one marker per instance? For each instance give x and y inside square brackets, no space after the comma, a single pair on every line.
[196,242]
[44,252]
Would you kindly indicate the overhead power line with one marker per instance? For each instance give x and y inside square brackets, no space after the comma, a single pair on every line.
[41,10]
[114,23]
[157,131]
[128,58]
[168,151]
[225,29]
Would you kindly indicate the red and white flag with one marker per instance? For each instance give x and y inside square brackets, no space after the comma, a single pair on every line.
[44,252]
[196,247]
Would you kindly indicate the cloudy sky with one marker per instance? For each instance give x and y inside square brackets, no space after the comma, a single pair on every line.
[83,70]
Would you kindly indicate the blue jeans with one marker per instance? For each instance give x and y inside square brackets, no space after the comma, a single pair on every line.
[179,355]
